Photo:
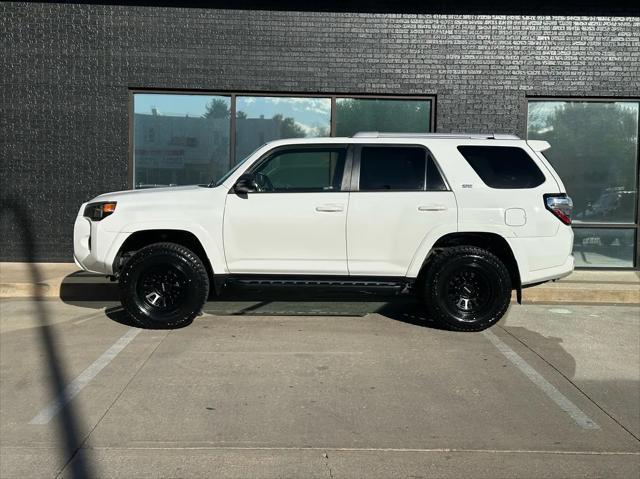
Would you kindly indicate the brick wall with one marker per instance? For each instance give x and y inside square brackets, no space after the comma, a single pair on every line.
[67,70]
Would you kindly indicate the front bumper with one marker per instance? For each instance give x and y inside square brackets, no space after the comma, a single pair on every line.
[93,246]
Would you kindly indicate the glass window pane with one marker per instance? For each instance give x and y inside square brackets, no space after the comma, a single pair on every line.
[384,115]
[302,170]
[594,149]
[503,167]
[264,118]
[435,182]
[603,248]
[392,168]
[180,139]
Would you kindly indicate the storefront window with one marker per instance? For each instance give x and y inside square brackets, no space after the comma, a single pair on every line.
[180,139]
[594,149]
[372,114]
[604,248]
[264,118]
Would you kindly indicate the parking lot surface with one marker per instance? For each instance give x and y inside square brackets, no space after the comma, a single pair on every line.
[319,388]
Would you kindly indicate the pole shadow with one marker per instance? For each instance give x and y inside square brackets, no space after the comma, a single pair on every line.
[70,442]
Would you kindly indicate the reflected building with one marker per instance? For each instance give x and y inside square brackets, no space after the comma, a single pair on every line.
[179,150]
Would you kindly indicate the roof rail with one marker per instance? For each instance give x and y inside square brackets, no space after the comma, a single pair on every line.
[469,136]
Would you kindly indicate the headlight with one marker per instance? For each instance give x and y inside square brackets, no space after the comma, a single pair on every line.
[99,211]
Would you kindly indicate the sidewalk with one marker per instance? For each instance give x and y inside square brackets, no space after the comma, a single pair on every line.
[589,287]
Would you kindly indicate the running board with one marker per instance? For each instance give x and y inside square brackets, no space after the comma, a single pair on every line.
[396,285]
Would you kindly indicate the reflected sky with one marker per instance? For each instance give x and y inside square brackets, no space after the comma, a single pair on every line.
[312,114]
[174,105]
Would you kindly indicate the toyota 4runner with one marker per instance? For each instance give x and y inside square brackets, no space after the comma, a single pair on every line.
[458,220]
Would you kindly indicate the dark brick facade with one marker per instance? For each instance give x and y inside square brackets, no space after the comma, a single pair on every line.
[67,70]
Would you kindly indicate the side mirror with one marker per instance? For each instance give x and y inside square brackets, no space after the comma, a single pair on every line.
[245,184]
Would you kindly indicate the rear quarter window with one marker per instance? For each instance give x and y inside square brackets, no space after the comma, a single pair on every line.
[503,167]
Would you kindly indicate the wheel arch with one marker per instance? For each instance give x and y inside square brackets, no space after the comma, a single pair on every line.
[141,238]
[492,242]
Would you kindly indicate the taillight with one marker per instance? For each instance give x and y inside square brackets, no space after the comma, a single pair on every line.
[560,205]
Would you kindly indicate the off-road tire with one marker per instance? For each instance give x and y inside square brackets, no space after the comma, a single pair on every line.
[466,288]
[163,274]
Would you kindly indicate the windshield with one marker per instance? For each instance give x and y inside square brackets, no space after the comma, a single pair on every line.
[232,170]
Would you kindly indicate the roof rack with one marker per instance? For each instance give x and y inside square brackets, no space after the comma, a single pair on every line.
[469,136]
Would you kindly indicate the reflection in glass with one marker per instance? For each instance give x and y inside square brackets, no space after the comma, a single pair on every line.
[302,170]
[392,116]
[262,119]
[604,248]
[180,139]
[594,148]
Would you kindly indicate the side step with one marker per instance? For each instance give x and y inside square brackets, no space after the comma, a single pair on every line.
[389,285]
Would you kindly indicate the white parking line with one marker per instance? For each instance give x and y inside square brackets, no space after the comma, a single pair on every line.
[74,387]
[549,389]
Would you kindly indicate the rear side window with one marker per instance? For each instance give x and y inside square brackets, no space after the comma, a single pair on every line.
[392,168]
[504,167]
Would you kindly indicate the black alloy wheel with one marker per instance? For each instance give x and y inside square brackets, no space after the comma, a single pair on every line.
[467,288]
[164,285]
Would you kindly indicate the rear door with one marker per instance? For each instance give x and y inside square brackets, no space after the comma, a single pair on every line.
[398,196]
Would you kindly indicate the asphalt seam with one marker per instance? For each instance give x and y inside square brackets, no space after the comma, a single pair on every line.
[83,443]
[361,449]
[572,383]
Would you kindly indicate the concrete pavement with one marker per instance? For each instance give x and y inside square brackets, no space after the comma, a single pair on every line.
[336,388]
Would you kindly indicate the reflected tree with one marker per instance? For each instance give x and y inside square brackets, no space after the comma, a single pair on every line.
[594,148]
[288,127]
[217,108]
[353,115]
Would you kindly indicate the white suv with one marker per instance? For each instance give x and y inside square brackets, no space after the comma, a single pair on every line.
[459,220]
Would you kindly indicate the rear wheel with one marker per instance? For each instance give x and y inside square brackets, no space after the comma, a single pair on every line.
[164,285]
[467,288]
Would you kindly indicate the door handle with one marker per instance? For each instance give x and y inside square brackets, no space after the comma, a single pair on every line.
[330,208]
[432,208]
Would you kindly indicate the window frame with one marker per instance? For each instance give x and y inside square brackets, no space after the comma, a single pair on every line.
[594,225]
[355,170]
[527,154]
[233,94]
[346,172]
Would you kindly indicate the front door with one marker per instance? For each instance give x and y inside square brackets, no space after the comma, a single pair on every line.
[295,220]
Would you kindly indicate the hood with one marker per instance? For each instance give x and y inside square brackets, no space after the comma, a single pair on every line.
[146,193]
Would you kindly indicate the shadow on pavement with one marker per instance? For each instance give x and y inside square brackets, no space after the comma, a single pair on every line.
[86,290]
[70,441]
[554,353]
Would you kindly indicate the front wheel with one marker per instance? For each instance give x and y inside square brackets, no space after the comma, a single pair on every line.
[164,285]
[467,288]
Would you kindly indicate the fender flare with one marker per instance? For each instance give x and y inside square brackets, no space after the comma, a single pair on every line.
[212,248]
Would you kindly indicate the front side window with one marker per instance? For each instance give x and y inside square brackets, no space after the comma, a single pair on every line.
[392,168]
[503,167]
[302,170]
